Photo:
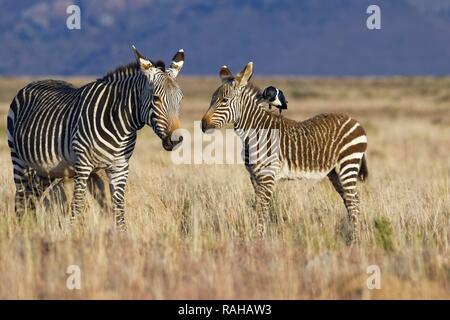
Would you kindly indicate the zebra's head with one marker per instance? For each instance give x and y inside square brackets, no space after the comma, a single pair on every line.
[226,102]
[160,103]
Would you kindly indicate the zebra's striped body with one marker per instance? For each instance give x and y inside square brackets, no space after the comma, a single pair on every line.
[56,130]
[276,148]
[312,148]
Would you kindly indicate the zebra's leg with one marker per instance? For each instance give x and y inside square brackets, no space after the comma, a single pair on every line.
[97,189]
[118,176]
[260,203]
[348,176]
[53,193]
[254,182]
[352,204]
[264,190]
[21,182]
[56,194]
[334,178]
[82,173]
[23,176]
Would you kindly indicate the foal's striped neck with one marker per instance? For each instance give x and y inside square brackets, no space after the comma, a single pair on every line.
[253,112]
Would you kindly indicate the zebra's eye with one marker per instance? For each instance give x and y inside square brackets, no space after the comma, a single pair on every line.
[225,100]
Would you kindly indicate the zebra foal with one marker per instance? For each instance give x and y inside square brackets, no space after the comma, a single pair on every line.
[275,147]
[56,130]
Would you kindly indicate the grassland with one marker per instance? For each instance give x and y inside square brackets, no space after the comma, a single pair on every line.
[191,229]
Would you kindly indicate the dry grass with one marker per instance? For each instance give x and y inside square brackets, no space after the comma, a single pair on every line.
[191,226]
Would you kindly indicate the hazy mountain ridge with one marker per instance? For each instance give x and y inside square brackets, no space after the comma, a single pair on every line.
[281,37]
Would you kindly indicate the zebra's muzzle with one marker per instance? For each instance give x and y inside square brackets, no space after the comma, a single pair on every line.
[170,142]
[206,126]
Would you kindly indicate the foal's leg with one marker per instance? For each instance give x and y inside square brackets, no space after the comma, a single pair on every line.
[264,189]
[345,184]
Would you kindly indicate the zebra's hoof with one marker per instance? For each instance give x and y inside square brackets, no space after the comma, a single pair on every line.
[122,228]
[353,238]
[261,229]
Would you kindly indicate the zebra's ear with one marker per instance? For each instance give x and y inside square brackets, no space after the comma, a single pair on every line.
[225,74]
[245,75]
[177,64]
[144,63]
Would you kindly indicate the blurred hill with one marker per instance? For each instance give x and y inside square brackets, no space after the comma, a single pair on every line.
[285,37]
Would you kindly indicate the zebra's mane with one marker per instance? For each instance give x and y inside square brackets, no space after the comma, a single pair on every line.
[132,68]
[254,90]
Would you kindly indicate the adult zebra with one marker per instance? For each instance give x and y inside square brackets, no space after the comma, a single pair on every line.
[56,130]
[275,148]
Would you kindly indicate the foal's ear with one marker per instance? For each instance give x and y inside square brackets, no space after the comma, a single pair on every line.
[177,64]
[144,63]
[225,74]
[245,75]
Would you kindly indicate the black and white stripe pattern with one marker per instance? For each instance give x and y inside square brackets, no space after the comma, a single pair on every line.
[56,130]
[332,145]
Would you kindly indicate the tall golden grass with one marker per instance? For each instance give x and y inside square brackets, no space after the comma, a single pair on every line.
[191,227]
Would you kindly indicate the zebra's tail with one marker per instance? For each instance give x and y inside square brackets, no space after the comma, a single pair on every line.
[363,173]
